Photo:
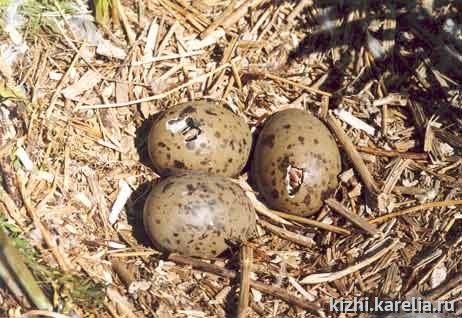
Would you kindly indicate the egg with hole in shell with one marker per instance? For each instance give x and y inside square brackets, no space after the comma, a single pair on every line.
[296,162]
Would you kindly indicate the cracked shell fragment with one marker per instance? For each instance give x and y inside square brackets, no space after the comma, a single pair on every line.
[296,162]
[200,135]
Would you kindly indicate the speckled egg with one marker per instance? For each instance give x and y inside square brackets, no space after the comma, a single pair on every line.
[200,135]
[296,162]
[195,214]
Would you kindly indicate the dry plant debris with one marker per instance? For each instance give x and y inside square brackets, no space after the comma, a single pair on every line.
[77,99]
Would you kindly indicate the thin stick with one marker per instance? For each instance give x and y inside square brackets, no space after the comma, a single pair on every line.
[414,209]
[296,84]
[320,225]
[11,207]
[123,18]
[240,12]
[270,290]
[244,293]
[63,264]
[329,277]
[217,22]
[352,217]
[290,19]
[288,235]
[353,154]
[158,96]
[61,84]
[392,153]
[167,57]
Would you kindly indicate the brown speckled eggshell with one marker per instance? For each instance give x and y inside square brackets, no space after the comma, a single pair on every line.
[295,137]
[221,148]
[193,214]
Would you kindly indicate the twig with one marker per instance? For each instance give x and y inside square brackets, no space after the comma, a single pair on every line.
[11,207]
[244,293]
[240,12]
[217,22]
[353,154]
[414,209]
[161,95]
[288,235]
[63,264]
[320,225]
[270,290]
[61,84]
[352,217]
[166,57]
[394,175]
[392,153]
[296,84]
[296,11]
[123,18]
[446,136]
[329,277]
[125,307]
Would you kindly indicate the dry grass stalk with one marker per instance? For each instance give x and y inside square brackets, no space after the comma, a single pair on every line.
[288,235]
[302,4]
[270,290]
[59,257]
[262,209]
[238,13]
[329,277]
[394,175]
[313,223]
[296,84]
[198,79]
[392,153]
[246,254]
[353,155]
[123,304]
[11,208]
[415,209]
[61,84]
[123,18]
[352,217]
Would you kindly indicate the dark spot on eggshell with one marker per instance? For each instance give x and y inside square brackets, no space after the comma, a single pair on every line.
[208,111]
[187,110]
[190,145]
[167,186]
[178,164]
[268,141]
[275,194]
